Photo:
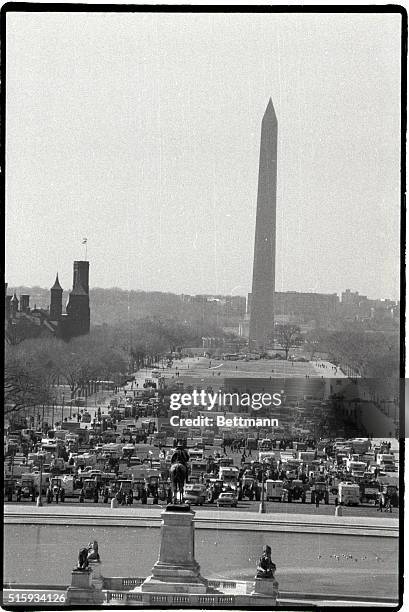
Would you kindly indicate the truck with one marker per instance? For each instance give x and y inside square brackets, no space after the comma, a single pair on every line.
[267,456]
[356,468]
[197,468]
[196,453]
[369,491]
[229,476]
[71,485]
[274,490]
[306,456]
[287,455]
[348,494]
[194,493]
[45,480]
[385,460]
[266,444]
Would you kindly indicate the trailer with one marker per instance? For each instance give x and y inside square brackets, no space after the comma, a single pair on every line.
[274,490]
[70,484]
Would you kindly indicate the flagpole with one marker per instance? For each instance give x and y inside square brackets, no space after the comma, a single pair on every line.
[85,243]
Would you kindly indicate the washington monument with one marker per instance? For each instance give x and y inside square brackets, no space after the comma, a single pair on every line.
[262,307]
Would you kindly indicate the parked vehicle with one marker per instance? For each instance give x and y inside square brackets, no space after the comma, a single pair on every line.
[369,491]
[274,490]
[320,492]
[294,490]
[195,494]
[348,494]
[71,485]
[227,498]
[26,487]
[229,476]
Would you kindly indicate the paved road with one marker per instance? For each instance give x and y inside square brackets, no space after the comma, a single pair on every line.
[248,506]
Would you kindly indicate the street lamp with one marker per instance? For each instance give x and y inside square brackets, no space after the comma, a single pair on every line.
[39,498]
[262,507]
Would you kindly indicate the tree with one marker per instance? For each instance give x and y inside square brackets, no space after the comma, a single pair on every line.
[288,337]
[316,342]
[22,387]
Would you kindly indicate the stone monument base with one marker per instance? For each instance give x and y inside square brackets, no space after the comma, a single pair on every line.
[81,591]
[172,578]
[265,587]
[97,580]
[176,570]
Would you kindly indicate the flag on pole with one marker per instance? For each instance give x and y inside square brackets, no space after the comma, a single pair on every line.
[84,240]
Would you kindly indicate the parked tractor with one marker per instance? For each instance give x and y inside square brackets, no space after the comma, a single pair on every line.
[248,487]
[294,490]
[26,488]
[214,490]
[320,492]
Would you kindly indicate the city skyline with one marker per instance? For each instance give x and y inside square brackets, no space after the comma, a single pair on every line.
[131,139]
[12,287]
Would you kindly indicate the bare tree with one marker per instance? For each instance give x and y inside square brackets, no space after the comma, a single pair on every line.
[22,388]
[288,337]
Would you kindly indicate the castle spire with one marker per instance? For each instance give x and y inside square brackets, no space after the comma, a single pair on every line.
[57,284]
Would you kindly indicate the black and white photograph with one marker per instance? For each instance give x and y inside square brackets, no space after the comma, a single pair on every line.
[204,306]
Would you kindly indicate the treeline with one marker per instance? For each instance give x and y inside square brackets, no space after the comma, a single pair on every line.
[35,366]
[114,305]
[369,354]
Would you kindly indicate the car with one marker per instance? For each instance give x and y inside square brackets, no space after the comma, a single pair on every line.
[227,498]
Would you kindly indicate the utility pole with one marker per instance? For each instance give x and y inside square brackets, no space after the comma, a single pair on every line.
[39,498]
[262,508]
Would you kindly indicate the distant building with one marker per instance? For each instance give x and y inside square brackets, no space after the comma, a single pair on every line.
[359,307]
[298,306]
[22,322]
[308,305]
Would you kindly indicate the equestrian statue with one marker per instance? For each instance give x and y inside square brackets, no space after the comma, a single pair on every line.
[179,472]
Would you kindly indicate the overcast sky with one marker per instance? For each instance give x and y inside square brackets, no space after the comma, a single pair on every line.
[141,132]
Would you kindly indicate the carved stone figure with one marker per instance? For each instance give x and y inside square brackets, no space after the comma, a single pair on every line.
[83,559]
[93,554]
[266,568]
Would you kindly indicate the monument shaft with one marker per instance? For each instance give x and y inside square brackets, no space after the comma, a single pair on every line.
[262,307]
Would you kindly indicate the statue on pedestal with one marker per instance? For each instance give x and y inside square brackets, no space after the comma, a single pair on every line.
[83,560]
[179,472]
[87,555]
[93,554]
[266,568]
